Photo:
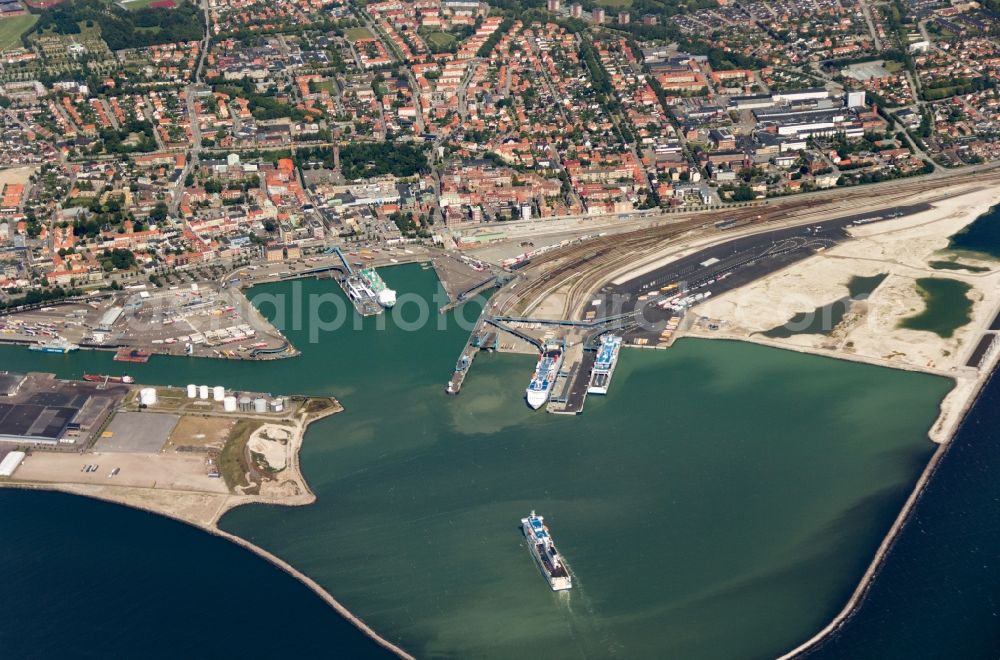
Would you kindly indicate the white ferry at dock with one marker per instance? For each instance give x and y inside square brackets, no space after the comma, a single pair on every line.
[604,365]
[546,372]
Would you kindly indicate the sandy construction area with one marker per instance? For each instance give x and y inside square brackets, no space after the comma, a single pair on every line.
[273,442]
[899,248]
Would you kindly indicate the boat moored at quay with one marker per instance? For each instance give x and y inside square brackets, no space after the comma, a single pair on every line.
[546,371]
[604,365]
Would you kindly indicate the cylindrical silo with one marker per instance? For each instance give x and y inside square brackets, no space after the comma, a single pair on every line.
[229,404]
[246,405]
[203,391]
[192,391]
[218,393]
[277,405]
[260,405]
[147,396]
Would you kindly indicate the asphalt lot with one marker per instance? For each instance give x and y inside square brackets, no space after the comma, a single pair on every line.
[742,260]
[725,267]
[137,432]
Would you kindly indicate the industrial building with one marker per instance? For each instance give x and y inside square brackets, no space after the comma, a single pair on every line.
[46,411]
[34,423]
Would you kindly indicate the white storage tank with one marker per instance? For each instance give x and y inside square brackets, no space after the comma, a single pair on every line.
[192,391]
[277,405]
[246,405]
[229,404]
[218,393]
[203,391]
[147,396]
[260,405]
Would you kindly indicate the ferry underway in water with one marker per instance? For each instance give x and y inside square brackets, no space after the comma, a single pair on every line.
[545,376]
[604,365]
[544,551]
[58,345]
[385,296]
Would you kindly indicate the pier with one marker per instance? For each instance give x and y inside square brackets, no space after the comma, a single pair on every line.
[581,339]
[479,339]
[570,391]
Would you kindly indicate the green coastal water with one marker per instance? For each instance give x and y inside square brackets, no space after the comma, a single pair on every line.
[721,502]
[947,309]
[957,265]
[825,318]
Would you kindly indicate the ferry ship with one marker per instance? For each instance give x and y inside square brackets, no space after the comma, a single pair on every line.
[101,378]
[604,365]
[58,345]
[546,371]
[358,289]
[385,296]
[543,549]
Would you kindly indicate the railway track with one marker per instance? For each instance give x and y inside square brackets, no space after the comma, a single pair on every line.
[598,257]
[592,262]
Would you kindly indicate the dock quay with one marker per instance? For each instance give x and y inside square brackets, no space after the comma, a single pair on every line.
[470,293]
[570,390]
[479,339]
[463,278]
[359,292]
[581,340]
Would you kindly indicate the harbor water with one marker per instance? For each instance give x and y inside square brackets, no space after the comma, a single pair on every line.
[721,502]
[938,592]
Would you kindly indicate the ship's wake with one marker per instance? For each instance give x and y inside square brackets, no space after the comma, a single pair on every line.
[593,639]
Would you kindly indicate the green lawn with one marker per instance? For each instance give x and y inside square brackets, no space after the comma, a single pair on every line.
[892,66]
[439,40]
[12,28]
[133,5]
[615,4]
[356,33]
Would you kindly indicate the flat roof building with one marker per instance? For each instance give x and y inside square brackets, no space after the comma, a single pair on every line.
[11,462]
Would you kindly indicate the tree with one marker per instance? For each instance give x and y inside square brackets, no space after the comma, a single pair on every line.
[159,212]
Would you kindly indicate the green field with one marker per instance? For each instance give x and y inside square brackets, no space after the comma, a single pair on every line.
[439,40]
[12,28]
[133,5]
[356,33]
[615,4]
